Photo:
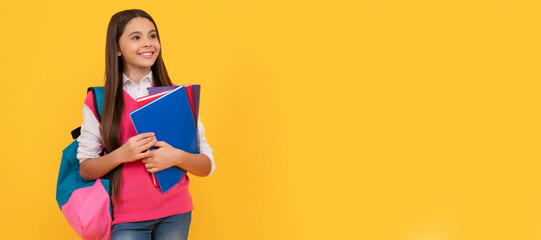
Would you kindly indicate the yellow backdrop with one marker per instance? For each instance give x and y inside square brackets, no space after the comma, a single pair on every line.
[406,120]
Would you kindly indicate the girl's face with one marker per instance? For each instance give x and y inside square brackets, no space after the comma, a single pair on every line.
[139,45]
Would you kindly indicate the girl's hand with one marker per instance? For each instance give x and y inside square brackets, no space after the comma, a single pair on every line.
[137,147]
[164,157]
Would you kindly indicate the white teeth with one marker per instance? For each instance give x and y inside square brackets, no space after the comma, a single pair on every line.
[146,54]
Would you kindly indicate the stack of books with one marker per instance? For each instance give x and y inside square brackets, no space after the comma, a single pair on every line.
[171,114]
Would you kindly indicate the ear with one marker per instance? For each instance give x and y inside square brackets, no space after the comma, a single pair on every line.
[118,53]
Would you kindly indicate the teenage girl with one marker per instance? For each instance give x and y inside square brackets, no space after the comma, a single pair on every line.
[140,210]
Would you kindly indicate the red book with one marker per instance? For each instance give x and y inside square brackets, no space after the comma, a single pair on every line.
[189,91]
[144,100]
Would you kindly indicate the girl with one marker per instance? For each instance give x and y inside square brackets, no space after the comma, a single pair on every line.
[140,210]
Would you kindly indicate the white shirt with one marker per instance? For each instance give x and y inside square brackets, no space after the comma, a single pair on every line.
[91,141]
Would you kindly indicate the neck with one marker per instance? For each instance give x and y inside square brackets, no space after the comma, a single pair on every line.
[136,74]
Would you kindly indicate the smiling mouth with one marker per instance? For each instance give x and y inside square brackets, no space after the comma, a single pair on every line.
[146,54]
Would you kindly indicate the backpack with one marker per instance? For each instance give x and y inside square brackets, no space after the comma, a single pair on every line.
[85,204]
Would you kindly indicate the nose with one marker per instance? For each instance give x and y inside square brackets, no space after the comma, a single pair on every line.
[147,42]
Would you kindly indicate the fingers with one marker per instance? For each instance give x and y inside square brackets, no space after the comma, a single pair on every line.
[137,147]
[142,142]
[160,144]
[146,135]
[150,165]
[147,144]
[143,136]
[148,158]
[146,154]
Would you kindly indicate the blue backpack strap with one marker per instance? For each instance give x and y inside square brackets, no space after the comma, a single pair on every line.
[97,93]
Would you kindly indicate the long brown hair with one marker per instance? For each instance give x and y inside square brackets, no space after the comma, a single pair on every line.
[113,103]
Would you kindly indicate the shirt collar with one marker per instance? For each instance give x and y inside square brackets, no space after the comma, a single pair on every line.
[148,77]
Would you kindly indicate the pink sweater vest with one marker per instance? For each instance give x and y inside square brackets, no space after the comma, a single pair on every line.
[139,199]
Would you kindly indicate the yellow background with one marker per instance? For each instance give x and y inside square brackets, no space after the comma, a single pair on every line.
[406,120]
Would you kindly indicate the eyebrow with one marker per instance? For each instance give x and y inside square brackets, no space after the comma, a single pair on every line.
[140,32]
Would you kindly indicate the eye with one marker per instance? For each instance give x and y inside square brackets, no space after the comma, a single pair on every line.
[135,38]
[153,36]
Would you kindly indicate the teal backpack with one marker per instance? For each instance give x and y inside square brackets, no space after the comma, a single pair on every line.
[85,204]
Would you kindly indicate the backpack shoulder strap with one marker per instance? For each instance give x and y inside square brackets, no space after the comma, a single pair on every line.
[97,93]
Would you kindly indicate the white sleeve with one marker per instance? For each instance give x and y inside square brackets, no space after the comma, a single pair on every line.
[90,140]
[204,147]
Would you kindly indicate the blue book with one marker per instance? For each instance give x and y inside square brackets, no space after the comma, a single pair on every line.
[196,91]
[170,118]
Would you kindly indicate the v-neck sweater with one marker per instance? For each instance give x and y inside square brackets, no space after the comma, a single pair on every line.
[138,198]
